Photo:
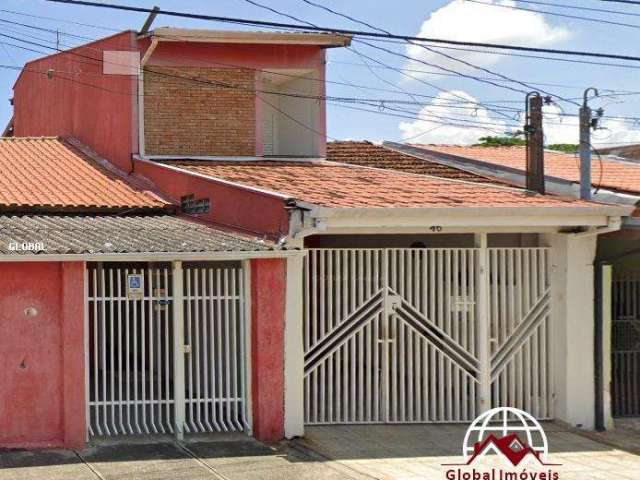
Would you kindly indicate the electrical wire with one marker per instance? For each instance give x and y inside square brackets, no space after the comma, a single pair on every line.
[341,31]
[577,7]
[360,54]
[71,22]
[564,15]
[425,47]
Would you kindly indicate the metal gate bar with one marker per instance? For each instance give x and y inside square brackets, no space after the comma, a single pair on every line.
[131,386]
[132,351]
[215,363]
[626,345]
[519,315]
[392,335]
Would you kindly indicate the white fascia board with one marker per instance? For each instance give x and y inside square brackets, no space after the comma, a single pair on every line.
[328,224]
[513,214]
[151,257]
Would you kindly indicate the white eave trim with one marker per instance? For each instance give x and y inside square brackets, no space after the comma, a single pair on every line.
[594,210]
[148,257]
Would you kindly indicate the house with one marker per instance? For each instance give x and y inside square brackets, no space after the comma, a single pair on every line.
[73,231]
[615,180]
[386,297]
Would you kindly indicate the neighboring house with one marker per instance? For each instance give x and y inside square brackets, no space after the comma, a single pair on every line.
[72,230]
[420,299]
[627,152]
[615,180]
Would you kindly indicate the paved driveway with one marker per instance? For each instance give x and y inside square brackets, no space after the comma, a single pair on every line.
[411,452]
[353,452]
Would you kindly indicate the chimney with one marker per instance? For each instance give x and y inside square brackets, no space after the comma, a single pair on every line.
[535,143]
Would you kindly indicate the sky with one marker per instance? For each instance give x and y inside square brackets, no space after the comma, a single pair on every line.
[417,94]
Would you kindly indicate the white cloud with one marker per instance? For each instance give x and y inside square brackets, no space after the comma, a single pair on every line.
[472,122]
[562,129]
[467,21]
[454,107]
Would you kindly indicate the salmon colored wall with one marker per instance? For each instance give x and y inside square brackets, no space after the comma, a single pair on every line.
[231,206]
[268,289]
[42,398]
[100,110]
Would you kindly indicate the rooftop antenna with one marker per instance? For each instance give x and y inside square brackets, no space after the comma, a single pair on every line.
[152,16]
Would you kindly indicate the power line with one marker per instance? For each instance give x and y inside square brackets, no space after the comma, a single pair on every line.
[546,12]
[341,31]
[50,30]
[71,22]
[577,7]
[630,2]
[381,101]
[440,89]
[310,79]
[327,98]
[464,62]
[360,54]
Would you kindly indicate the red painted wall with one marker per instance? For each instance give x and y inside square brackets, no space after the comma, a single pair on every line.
[100,110]
[268,287]
[231,206]
[42,398]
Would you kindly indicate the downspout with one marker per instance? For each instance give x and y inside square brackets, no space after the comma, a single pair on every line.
[143,62]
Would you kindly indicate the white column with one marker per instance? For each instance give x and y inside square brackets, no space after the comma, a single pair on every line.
[294,351]
[484,345]
[178,349]
[572,327]
[607,325]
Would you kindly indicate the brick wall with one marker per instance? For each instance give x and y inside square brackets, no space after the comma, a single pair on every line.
[184,117]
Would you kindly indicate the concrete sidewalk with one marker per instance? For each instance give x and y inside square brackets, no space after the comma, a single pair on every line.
[225,457]
[355,452]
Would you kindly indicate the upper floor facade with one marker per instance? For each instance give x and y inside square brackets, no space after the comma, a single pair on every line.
[176,93]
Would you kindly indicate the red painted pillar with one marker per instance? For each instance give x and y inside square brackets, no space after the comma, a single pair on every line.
[73,358]
[268,288]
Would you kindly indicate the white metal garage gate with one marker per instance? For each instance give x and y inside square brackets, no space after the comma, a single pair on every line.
[399,335]
[132,350]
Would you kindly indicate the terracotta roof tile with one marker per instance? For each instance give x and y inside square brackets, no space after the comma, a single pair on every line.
[377,156]
[327,184]
[47,173]
[614,175]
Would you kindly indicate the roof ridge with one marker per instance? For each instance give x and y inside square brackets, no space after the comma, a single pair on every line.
[144,185]
[42,137]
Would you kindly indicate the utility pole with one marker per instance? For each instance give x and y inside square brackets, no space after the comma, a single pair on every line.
[585,145]
[535,143]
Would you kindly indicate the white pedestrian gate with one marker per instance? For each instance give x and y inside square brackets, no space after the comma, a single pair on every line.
[422,335]
[133,350]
